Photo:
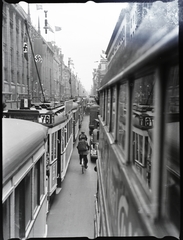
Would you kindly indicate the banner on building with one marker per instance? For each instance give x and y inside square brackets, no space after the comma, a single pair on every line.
[25,47]
[38,56]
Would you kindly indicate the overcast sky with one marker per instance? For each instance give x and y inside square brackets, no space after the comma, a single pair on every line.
[86,31]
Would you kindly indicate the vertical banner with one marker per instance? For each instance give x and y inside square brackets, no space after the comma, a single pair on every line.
[38,51]
[25,47]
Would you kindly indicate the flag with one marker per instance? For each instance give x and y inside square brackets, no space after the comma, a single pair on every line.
[39,7]
[25,47]
[58,28]
[49,28]
[38,56]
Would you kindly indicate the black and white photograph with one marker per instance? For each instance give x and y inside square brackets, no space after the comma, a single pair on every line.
[90,119]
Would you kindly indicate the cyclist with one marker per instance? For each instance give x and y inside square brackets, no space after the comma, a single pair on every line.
[83,148]
[82,136]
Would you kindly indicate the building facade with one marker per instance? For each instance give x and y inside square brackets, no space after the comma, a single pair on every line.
[31,67]
[14,70]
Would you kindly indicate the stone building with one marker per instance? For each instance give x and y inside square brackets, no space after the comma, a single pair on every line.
[31,67]
[15,70]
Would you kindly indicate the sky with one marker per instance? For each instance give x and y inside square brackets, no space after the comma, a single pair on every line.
[86,29]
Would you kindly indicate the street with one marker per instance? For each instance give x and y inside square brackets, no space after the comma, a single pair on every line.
[72,211]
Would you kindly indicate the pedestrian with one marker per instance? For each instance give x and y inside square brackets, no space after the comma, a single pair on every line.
[83,148]
[83,136]
[96,134]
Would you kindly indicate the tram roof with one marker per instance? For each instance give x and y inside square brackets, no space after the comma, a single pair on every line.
[21,138]
[146,47]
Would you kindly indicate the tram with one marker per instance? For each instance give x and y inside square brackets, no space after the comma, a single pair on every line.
[63,125]
[24,183]
[138,166]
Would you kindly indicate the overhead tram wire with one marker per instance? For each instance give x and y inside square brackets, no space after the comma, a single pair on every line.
[35,61]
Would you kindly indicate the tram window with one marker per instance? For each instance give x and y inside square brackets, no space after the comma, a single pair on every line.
[102,107]
[121,133]
[38,181]
[6,219]
[41,176]
[48,142]
[69,128]
[23,206]
[68,131]
[69,124]
[113,109]
[172,147]
[108,106]
[65,133]
[142,119]
[54,146]
[27,199]
[104,94]
[63,140]
[36,185]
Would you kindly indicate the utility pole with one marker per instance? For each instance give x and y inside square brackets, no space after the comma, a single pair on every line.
[25,50]
[28,90]
[46,22]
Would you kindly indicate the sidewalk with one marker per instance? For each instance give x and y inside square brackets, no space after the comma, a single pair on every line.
[72,212]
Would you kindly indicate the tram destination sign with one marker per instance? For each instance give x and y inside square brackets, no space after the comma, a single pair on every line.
[47,119]
[146,121]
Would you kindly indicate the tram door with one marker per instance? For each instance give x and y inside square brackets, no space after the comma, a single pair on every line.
[59,159]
